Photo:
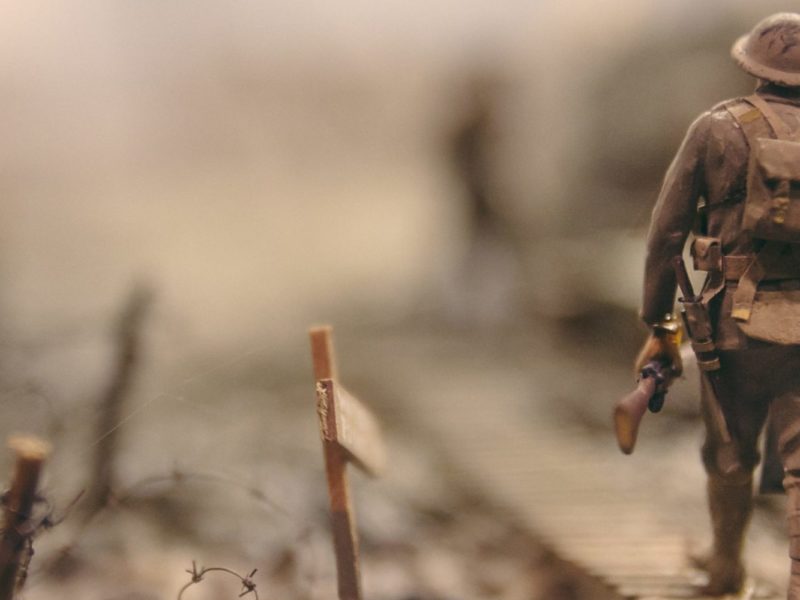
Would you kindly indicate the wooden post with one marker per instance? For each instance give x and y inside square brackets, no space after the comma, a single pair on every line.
[350,433]
[322,353]
[128,347]
[345,536]
[31,453]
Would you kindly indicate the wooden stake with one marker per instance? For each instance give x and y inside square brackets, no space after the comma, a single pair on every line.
[345,536]
[322,352]
[128,347]
[349,433]
[31,453]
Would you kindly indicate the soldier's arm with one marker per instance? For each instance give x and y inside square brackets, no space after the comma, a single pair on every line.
[672,219]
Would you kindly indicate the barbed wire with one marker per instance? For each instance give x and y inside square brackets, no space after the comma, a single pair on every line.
[178,477]
[248,585]
[175,477]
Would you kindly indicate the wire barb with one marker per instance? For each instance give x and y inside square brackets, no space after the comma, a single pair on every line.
[248,585]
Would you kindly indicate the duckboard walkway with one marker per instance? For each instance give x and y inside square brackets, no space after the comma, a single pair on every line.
[629,522]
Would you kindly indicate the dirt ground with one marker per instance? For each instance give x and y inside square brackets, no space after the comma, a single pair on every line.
[220,463]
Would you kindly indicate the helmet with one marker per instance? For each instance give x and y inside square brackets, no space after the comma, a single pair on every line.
[772,50]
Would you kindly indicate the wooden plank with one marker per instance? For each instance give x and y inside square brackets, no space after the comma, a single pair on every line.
[344,420]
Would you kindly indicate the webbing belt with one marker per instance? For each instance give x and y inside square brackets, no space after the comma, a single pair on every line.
[785,267]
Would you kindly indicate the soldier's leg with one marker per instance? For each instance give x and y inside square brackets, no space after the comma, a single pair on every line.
[730,493]
[776,371]
[786,415]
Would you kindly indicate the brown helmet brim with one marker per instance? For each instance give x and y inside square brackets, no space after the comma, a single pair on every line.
[759,70]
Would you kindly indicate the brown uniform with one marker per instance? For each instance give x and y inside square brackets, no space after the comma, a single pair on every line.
[711,167]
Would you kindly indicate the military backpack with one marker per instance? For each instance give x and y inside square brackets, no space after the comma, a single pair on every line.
[771,217]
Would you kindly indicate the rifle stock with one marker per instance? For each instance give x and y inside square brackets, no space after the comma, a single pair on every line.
[629,411]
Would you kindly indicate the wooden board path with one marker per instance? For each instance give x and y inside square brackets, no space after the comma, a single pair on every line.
[627,522]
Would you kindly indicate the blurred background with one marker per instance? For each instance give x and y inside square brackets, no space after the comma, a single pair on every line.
[439,176]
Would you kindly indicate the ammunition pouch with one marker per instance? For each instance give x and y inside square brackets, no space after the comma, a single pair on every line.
[707,254]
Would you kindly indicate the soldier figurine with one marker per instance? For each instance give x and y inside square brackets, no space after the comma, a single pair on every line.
[735,183]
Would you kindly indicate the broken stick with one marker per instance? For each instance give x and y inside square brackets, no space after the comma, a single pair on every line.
[128,342]
[31,453]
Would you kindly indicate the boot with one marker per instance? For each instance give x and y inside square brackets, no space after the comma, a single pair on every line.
[791,483]
[730,504]
[794,581]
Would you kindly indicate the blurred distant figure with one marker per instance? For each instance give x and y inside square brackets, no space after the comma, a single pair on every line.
[482,291]
[471,148]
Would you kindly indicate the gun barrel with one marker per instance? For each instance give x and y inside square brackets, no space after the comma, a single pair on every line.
[629,411]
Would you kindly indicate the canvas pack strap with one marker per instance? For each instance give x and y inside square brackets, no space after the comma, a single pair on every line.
[778,125]
[758,119]
[745,294]
[750,119]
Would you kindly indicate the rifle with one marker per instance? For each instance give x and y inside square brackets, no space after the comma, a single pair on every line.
[649,394]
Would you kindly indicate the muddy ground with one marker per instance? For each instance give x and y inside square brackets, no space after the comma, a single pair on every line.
[220,463]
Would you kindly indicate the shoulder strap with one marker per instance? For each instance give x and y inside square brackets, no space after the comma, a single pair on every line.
[778,125]
[750,120]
